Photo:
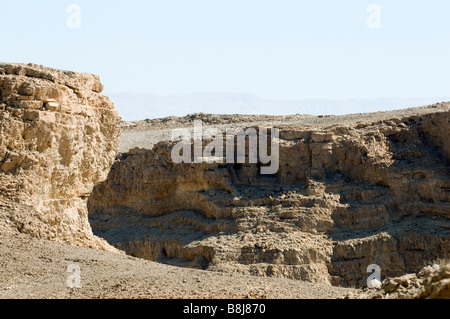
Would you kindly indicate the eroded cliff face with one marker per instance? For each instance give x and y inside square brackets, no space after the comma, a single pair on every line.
[344,197]
[58,138]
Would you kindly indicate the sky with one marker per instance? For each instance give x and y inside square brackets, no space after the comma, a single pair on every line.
[283,49]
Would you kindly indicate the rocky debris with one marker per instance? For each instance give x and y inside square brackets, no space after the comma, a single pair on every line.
[58,138]
[371,191]
[317,122]
[208,119]
[432,282]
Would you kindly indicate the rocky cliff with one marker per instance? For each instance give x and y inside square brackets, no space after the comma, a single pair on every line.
[58,138]
[345,196]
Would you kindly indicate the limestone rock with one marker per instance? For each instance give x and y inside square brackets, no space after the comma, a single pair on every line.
[345,196]
[58,138]
[428,283]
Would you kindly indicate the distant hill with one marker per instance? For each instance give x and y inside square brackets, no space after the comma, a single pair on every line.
[140,106]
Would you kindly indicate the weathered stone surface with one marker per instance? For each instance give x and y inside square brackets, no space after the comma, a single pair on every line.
[429,283]
[58,138]
[345,197]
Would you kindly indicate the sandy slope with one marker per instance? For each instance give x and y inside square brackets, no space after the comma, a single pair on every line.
[32,268]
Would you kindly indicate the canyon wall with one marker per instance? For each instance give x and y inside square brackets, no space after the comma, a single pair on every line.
[345,196]
[58,138]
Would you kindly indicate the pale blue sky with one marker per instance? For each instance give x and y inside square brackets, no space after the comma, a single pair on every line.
[283,49]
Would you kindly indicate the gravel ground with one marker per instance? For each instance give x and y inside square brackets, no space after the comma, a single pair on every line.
[36,269]
[145,134]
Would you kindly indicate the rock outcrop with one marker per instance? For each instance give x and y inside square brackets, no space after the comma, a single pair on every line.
[345,197]
[432,282]
[58,138]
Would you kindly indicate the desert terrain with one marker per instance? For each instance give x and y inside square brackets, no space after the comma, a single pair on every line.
[80,187]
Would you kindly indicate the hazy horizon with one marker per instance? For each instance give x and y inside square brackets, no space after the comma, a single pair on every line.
[287,50]
[283,50]
[135,106]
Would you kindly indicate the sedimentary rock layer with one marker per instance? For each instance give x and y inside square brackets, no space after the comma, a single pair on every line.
[345,197]
[58,138]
